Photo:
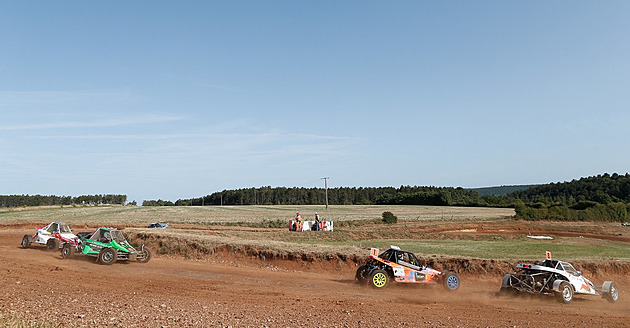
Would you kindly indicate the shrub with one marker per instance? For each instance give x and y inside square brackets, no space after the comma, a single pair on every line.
[582,205]
[389,217]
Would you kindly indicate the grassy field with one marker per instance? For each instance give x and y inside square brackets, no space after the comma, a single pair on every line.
[210,215]
[510,249]
[356,229]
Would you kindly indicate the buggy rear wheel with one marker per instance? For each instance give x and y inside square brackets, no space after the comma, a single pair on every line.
[360,275]
[67,251]
[564,293]
[107,256]
[450,281]
[26,241]
[379,278]
[52,244]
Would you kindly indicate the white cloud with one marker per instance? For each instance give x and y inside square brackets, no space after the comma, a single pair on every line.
[91,123]
[31,97]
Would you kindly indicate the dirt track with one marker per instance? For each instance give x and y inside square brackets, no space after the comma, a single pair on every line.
[39,285]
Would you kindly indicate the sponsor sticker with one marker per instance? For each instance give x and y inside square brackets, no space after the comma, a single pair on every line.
[399,271]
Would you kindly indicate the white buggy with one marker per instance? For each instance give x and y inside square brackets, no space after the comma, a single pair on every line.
[555,277]
[54,235]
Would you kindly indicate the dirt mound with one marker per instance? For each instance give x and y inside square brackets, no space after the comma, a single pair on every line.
[244,253]
[336,262]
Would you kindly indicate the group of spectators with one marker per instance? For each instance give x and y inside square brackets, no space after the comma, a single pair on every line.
[299,222]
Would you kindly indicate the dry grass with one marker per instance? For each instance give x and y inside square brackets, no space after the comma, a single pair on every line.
[18,322]
[210,215]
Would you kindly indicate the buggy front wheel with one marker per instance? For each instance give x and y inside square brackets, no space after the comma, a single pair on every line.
[612,295]
[26,241]
[564,293]
[450,281]
[379,278]
[146,255]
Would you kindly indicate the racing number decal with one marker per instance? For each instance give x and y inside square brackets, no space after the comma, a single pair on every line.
[399,271]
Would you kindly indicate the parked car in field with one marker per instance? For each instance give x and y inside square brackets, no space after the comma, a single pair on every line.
[158,225]
[54,235]
[108,245]
[556,277]
[396,265]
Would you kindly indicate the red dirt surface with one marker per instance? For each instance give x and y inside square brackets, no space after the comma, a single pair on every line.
[38,285]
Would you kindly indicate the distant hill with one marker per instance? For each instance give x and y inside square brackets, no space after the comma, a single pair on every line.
[604,189]
[501,190]
[604,197]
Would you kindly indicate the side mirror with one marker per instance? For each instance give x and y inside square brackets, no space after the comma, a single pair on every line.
[579,273]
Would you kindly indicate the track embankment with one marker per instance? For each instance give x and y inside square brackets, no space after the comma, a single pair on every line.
[317,258]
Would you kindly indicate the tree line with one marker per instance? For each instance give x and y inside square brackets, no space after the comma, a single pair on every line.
[603,197]
[601,189]
[405,195]
[52,200]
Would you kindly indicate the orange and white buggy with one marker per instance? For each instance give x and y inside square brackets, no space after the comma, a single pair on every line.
[401,266]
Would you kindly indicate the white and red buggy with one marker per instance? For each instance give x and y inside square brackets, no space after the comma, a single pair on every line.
[555,277]
[53,236]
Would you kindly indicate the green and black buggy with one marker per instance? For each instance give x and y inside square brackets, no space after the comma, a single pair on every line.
[108,245]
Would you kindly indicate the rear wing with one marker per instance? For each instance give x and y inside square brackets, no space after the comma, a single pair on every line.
[374,252]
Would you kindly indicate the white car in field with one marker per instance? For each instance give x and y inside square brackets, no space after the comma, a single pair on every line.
[54,235]
[555,277]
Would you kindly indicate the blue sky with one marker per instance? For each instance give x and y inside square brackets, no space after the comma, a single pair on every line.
[170,100]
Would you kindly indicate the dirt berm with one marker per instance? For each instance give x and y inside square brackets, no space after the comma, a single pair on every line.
[335,261]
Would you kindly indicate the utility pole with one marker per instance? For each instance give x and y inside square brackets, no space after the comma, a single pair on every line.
[326,186]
